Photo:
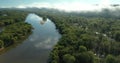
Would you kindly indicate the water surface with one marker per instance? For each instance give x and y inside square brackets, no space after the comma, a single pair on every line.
[37,47]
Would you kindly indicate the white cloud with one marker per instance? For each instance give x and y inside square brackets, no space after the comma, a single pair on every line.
[105,2]
[21,6]
[73,6]
[48,43]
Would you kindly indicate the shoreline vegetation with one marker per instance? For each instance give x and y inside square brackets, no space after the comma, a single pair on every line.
[86,37]
[15,29]
[14,34]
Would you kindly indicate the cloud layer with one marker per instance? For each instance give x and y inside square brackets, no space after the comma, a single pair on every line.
[70,6]
[75,6]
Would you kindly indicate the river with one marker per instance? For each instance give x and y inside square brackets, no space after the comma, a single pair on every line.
[36,48]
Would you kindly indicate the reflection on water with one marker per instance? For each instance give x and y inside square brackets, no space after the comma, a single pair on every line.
[42,22]
[37,47]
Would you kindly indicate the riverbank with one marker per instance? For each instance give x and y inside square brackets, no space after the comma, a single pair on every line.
[13,35]
[81,36]
[36,48]
[3,50]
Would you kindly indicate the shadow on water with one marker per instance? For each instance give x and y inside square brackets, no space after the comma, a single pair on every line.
[36,48]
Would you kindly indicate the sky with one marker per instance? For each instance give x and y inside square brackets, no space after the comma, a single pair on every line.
[68,5]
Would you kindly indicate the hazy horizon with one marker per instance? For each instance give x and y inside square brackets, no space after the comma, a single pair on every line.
[67,5]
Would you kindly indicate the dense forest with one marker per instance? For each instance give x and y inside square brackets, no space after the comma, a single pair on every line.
[86,37]
[14,29]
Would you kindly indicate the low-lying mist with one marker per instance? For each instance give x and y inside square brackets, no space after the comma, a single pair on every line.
[112,11]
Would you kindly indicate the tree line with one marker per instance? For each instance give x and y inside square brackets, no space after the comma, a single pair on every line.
[85,39]
[14,29]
